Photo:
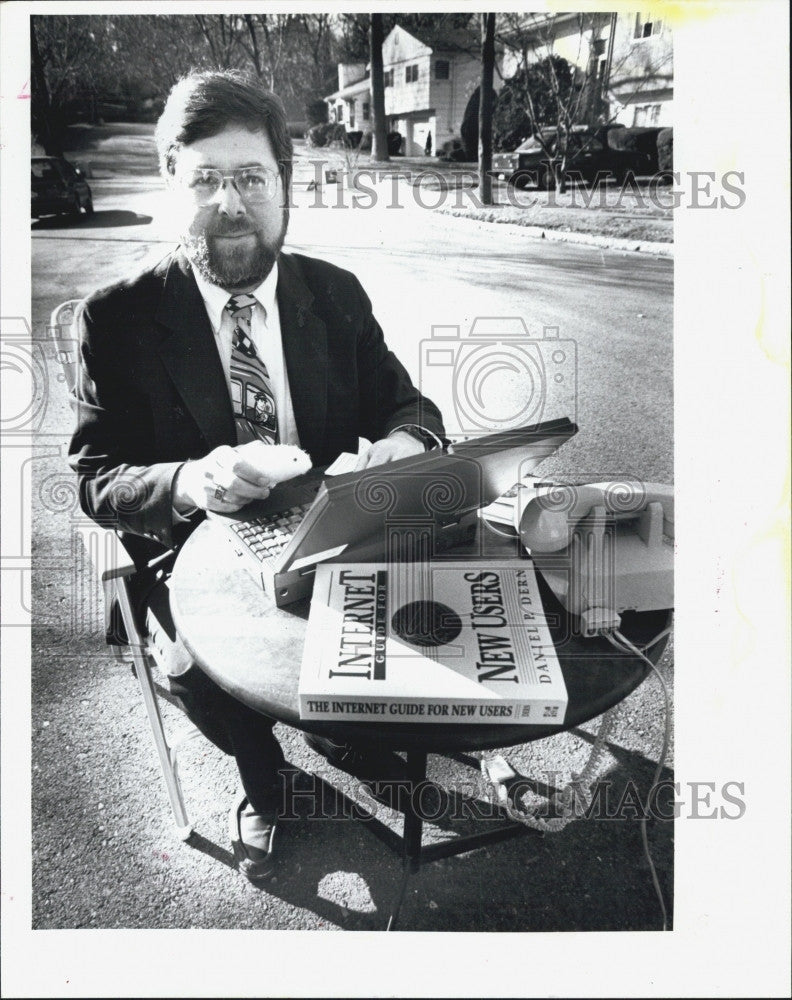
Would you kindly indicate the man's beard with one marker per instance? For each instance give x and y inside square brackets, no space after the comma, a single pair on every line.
[231,264]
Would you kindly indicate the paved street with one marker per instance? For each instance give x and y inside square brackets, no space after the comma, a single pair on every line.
[104,851]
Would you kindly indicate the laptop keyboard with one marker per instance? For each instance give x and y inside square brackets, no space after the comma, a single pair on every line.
[266,537]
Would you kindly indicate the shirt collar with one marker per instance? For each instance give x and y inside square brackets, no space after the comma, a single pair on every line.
[216,298]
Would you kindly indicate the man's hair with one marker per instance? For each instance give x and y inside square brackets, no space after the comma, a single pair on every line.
[203,104]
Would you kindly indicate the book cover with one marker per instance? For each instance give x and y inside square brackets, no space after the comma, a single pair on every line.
[453,642]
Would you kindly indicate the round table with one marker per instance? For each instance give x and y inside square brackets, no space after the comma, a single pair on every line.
[254,650]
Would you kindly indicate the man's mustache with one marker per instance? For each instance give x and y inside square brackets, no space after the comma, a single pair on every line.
[231,230]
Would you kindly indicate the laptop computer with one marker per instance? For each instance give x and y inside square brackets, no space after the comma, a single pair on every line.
[408,510]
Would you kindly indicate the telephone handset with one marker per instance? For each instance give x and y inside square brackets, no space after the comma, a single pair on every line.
[549,519]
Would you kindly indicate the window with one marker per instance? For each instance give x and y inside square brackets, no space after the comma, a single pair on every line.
[584,144]
[351,115]
[44,171]
[599,80]
[339,112]
[646,114]
[411,73]
[366,112]
[442,69]
[646,26]
[388,77]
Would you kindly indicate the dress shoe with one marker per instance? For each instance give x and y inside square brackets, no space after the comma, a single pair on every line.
[363,760]
[252,835]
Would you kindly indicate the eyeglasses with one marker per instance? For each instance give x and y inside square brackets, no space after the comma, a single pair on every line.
[254,184]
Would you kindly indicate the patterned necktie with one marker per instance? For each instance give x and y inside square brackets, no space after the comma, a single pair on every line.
[251,390]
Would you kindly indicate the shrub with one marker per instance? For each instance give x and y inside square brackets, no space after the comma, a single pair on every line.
[323,135]
[365,143]
[510,121]
[469,127]
[297,129]
[353,139]
[394,143]
[316,112]
[452,151]
[665,150]
[316,136]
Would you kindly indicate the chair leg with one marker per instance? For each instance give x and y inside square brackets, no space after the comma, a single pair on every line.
[167,755]
[393,919]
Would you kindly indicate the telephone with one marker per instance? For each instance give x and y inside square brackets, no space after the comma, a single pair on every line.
[603,548]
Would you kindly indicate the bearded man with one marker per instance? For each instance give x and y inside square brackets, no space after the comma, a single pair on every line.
[226,342]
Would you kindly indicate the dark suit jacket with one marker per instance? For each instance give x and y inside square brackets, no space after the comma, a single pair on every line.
[152,392]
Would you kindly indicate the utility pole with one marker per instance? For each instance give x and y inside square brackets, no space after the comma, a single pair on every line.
[379,139]
[485,107]
[604,100]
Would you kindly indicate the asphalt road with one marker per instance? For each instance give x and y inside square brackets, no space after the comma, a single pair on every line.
[104,851]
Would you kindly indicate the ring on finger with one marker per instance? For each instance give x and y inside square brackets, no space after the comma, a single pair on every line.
[220,492]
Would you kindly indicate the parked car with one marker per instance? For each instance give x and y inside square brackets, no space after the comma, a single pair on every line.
[57,187]
[588,154]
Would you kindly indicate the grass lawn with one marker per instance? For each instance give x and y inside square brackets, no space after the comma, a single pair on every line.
[642,213]
[619,221]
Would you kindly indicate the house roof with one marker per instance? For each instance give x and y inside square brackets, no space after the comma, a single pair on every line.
[537,25]
[445,39]
[352,90]
[437,39]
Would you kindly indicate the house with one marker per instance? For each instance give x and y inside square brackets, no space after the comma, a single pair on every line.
[429,78]
[641,85]
[624,61]
[350,105]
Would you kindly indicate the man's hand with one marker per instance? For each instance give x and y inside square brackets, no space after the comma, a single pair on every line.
[389,449]
[228,478]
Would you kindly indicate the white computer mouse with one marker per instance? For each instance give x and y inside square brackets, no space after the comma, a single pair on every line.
[278,462]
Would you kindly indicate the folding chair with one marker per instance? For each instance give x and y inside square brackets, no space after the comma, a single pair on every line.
[115,569]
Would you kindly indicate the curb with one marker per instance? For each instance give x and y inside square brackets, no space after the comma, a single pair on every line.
[585,239]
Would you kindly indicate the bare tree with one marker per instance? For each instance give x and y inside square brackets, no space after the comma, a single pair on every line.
[72,67]
[41,104]
[485,107]
[290,52]
[317,31]
[154,51]
[223,36]
[275,31]
[379,140]
[567,101]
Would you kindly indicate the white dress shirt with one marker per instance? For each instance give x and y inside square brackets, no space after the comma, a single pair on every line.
[266,336]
